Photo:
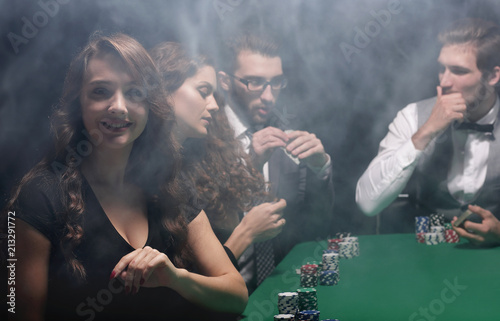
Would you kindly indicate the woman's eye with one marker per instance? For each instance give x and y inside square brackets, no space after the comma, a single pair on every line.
[204,92]
[100,91]
[136,94]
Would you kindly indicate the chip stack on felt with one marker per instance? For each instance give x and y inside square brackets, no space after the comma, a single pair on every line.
[432,230]
[279,317]
[309,275]
[308,315]
[421,227]
[288,302]
[303,304]
[450,235]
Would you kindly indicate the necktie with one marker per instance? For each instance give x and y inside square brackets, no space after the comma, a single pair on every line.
[476,127]
[264,260]
[264,252]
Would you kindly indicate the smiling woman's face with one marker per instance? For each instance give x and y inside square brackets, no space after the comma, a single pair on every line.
[112,103]
[194,102]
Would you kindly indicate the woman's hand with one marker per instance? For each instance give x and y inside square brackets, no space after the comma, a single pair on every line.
[145,267]
[265,221]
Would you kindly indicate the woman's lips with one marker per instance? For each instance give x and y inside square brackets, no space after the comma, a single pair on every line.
[116,126]
[208,120]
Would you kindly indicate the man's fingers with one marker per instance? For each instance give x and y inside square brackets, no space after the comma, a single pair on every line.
[473,237]
[311,152]
[480,211]
[296,133]
[439,91]
[299,139]
[267,142]
[271,131]
[303,146]
[474,227]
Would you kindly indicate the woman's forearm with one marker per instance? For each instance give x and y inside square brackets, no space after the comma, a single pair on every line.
[225,293]
[239,241]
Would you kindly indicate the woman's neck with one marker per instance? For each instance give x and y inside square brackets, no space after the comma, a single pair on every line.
[106,167]
[179,136]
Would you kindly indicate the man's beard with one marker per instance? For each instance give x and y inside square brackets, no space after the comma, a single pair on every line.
[482,94]
[251,114]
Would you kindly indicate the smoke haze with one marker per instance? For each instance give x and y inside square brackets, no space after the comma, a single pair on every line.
[351,64]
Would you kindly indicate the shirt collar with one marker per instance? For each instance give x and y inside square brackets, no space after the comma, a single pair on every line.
[239,124]
[491,116]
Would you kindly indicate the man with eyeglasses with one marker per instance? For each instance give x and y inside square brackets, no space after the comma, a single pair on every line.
[294,162]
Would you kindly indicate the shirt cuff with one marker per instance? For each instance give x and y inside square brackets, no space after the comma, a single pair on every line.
[324,171]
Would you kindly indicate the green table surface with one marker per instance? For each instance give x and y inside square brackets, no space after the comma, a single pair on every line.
[394,278]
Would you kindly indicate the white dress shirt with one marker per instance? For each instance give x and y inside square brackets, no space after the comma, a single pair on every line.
[390,171]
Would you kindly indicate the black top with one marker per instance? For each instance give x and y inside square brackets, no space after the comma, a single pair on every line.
[96,297]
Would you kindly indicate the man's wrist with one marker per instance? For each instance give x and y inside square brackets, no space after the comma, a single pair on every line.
[319,170]
[423,137]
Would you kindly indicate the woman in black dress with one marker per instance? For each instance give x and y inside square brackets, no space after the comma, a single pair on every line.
[102,231]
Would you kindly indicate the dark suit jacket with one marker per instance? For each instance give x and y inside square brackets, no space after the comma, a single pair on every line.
[309,202]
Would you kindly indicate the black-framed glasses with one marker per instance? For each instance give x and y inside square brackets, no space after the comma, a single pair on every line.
[260,84]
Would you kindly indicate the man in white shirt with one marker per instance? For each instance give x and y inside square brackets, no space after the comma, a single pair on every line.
[443,149]
[293,161]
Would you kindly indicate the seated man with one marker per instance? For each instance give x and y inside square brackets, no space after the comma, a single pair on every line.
[443,150]
[293,162]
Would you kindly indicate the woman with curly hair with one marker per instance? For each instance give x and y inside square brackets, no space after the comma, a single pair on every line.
[102,230]
[214,163]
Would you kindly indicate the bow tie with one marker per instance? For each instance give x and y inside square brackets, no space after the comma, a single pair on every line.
[477,127]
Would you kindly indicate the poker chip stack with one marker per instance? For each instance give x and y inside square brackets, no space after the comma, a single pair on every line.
[346,250]
[307,299]
[279,317]
[421,227]
[439,230]
[287,303]
[309,275]
[308,315]
[330,261]
[436,219]
[431,238]
[329,278]
[333,244]
[450,235]
[355,244]
[432,230]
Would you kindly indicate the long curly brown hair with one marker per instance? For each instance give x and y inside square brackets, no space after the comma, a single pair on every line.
[215,165]
[153,163]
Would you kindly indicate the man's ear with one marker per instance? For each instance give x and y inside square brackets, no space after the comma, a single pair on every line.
[224,81]
[494,76]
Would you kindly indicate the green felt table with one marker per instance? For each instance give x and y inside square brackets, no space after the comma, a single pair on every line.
[394,278]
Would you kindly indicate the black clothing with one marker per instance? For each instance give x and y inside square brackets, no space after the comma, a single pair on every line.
[96,297]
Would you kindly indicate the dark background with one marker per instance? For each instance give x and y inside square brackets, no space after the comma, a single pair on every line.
[348,103]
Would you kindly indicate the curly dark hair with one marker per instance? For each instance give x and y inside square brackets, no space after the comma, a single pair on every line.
[153,163]
[225,182]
